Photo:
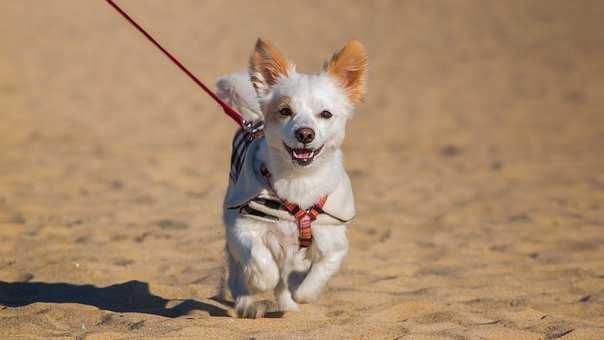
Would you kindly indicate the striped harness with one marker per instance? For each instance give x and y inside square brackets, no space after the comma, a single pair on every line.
[304,217]
[241,143]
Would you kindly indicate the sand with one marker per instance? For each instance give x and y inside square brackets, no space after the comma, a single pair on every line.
[477,163]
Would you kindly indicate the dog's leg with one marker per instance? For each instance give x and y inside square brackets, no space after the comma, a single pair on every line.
[236,281]
[332,245]
[244,301]
[284,297]
[293,261]
[254,268]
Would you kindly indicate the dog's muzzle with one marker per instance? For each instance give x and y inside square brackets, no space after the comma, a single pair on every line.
[303,156]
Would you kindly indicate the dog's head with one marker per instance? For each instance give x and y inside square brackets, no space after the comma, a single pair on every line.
[306,115]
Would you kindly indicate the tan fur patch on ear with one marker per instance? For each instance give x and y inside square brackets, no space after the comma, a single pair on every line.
[348,65]
[267,64]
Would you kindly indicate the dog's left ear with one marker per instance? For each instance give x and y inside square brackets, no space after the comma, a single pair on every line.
[267,65]
[348,65]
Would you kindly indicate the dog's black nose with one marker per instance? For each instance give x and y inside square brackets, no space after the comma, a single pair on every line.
[305,135]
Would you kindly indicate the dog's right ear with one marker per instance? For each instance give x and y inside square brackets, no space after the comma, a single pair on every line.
[267,65]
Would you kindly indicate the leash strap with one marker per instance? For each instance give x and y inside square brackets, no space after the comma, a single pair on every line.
[231,112]
[303,217]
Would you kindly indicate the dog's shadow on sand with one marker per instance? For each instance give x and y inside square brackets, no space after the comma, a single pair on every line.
[127,297]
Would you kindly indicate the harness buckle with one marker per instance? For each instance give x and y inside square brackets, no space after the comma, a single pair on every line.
[254,128]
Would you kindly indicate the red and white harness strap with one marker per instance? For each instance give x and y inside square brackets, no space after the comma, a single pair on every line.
[304,217]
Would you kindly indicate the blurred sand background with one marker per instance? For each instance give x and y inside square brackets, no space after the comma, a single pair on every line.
[477,163]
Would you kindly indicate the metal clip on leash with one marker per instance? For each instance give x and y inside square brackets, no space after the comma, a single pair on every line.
[254,128]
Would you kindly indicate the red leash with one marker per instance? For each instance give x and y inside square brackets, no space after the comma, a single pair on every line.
[236,116]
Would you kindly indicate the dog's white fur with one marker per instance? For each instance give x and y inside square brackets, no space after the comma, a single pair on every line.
[265,256]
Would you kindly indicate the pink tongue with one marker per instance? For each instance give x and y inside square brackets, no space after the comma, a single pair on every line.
[302,154]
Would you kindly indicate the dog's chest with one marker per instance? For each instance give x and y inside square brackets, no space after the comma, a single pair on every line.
[282,239]
[286,232]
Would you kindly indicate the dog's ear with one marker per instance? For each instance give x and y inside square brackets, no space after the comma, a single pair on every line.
[267,65]
[348,65]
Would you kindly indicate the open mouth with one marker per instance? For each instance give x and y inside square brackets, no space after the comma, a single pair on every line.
[303,156]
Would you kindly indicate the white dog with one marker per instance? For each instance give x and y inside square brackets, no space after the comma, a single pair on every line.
[289,197]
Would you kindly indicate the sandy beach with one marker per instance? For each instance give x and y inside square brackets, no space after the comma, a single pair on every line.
[477,163]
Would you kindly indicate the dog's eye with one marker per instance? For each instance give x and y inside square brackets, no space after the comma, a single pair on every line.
[285,112]
[325,114]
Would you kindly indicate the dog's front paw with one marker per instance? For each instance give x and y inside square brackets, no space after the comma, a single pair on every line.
[306,294]
[248,308]
[286,303]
